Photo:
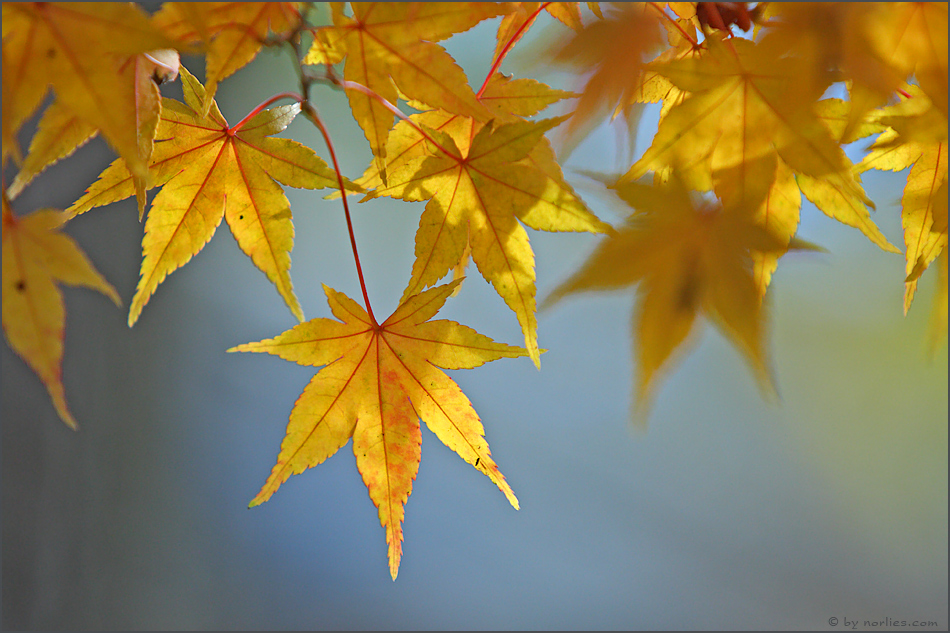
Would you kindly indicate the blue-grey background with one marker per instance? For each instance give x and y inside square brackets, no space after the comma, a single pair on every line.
[728,512]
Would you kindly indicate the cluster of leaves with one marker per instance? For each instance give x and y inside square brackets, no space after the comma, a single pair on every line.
[744,133]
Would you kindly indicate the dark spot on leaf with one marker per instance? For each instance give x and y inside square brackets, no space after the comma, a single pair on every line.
[688,296]
[477,459]
[50,53]
[20,285]
[241,217]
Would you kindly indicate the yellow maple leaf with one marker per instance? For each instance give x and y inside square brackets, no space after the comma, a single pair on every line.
[509,100]
[686,258]
[477,195]
[232,33]
[522,14]
[90,53]
[742,115]
[390,44]
[61,131]
[779,214]
[608,55]
[917,138]
[378,381]
[209,170]
[36,254]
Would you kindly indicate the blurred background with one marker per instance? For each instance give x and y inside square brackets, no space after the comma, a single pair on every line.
[727,512]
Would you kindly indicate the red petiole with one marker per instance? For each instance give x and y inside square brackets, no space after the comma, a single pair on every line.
[509,45]
[311,113]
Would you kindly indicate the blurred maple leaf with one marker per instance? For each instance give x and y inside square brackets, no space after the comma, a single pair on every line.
[609,53]
[741,116]
[91,54]
[35,255]
[209,170]
[378,381]
[916,137]
[686,258]
[231,33]
[875,46]
[60,131]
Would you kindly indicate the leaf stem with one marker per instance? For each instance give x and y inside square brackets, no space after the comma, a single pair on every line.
[509,45]
[352,85]
[311,113]
[284,95]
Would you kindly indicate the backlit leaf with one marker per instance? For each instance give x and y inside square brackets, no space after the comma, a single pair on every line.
[477,195]
[90,53]
[743,113]
[377,382]
[208,171]
[390,44]
[36,255]
[231,33]
[686,259]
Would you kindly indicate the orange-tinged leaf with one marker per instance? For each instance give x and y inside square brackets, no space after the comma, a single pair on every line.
[208,171]
[390,44]
[911,37]
[376,383]
[90,53]
[35,256]
[846,41]
[232,32]
[686,259]
[477,196]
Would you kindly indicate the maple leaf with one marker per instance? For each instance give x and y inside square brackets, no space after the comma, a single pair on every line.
[36,255]
[522,14]
[209,170]
[653,87]
[610,54]
[743,113]
[91,55]
[392,44]
[378,381]
[779,214]
[478,190]
[686,259]
[60,131]
[917,138]
[873,46]
[232,33]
